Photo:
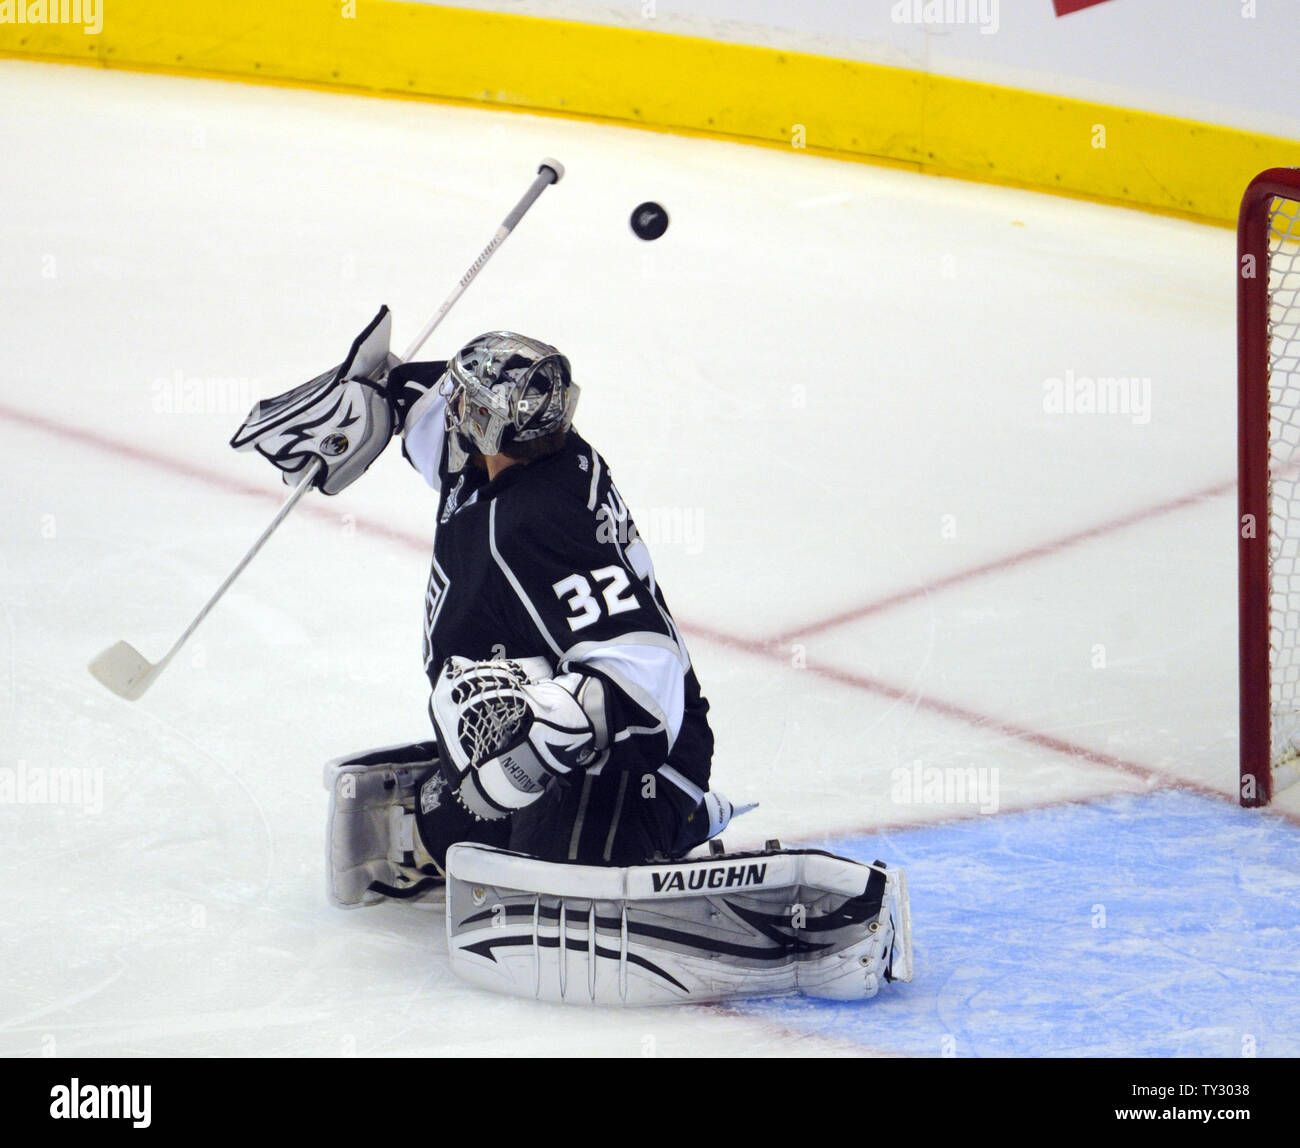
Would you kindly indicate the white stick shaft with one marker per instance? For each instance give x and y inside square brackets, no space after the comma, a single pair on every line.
[546,176]
[449,302]
[289,503]
[551,171]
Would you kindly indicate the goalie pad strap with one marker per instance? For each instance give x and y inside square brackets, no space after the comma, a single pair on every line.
[406,892]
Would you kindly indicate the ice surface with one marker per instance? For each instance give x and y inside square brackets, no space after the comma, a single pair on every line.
[823,394]
[1148,926]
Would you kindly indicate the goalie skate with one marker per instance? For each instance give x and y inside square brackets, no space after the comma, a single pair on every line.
[721,927]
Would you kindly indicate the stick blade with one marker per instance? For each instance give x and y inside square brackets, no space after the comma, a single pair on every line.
[124,670]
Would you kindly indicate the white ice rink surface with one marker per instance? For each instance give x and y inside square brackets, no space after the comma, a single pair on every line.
[822,393]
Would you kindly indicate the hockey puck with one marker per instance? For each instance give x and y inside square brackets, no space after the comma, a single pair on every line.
[649,220]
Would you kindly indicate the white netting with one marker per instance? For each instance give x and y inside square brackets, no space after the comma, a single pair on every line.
[492,707]
[1284,476]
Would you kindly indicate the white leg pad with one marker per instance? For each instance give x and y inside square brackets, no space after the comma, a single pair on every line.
[708,929]
[370,834]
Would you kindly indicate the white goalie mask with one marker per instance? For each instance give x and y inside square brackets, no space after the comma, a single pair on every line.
[503,388]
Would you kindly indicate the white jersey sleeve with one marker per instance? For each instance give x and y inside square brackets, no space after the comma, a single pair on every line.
[414,391]
[424,435]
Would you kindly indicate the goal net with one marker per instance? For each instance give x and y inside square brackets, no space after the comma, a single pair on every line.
[1268,397]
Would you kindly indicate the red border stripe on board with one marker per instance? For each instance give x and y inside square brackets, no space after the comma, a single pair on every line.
[1065,7]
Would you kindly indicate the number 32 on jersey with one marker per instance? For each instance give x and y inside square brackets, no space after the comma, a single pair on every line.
[576,593]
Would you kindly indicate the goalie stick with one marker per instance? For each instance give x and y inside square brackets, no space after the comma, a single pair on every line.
[126,671]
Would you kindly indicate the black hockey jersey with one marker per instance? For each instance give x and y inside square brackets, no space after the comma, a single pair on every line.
[545,560]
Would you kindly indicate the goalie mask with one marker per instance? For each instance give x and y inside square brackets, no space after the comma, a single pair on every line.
[503,388]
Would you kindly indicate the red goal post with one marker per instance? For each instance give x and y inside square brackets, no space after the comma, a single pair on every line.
[1268,481]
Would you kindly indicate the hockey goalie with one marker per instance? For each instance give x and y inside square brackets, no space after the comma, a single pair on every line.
[562,805]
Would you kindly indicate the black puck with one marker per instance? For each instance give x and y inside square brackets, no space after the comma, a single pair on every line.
[649,220]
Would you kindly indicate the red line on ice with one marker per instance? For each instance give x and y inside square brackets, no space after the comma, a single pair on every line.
[769,649]
[772,650]
[317,510]
[997,565]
